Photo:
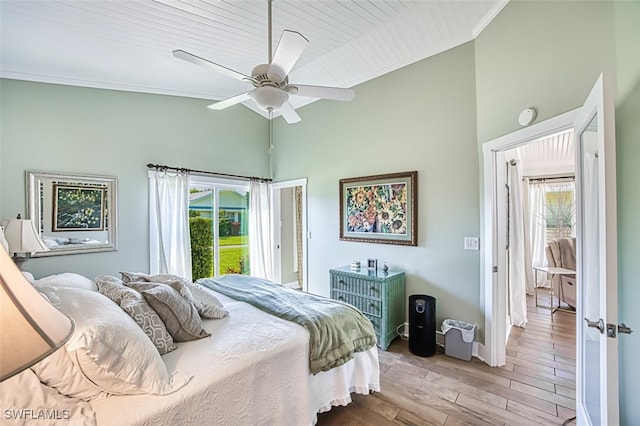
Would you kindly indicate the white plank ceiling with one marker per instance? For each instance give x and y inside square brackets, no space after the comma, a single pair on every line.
[127,45]
[552,155]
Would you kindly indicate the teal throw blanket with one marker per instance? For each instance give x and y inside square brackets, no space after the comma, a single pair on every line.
[337,330]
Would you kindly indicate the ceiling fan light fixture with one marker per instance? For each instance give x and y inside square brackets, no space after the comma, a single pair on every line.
[269,98]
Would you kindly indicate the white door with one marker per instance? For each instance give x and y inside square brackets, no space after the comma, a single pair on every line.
[597,310]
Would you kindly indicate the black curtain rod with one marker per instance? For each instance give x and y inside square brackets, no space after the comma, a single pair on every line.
[567,178]
[204,172]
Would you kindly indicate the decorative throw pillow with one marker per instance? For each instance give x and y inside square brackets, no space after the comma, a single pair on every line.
[134,304]
[66,279]
[179,315]
[171,280]
[134,277]
[206,302]
[203,299]
[109,347]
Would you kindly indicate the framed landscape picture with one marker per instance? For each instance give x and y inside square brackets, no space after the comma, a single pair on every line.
[78,208]
[380,209]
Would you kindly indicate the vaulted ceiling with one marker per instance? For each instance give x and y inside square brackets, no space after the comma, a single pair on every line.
[127,45]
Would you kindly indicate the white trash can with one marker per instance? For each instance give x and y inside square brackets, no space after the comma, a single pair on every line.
[458,338]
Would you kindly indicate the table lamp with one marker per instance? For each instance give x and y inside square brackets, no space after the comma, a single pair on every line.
[30,327]
[23,238]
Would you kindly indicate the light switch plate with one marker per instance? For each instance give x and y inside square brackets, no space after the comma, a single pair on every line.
[471,243]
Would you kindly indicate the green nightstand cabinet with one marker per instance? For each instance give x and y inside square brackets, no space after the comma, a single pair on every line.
[378,294]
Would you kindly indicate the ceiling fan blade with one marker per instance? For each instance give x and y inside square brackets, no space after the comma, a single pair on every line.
[289,114]
[225,103]
[289,49]
[322,92]
[189,57]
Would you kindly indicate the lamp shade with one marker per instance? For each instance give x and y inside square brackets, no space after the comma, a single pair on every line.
[30,327]
[22,236]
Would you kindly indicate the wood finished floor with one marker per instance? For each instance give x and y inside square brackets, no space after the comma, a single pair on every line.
[535,387]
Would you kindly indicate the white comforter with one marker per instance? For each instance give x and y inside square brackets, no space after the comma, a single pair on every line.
[253,370]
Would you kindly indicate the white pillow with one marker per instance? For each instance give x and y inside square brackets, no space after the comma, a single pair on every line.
[50,241]
[29,277]
[67,279]
[24,395]
[109,347]
[59,371]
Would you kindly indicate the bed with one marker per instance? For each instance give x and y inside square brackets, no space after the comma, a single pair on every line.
[253,369]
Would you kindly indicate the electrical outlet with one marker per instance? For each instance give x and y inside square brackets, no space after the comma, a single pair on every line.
[471,243]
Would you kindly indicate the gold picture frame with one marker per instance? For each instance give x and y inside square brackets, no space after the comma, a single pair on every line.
[380,209]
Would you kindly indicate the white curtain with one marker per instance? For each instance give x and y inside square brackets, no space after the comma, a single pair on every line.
[297,196]
[538,229]
[526,237]
[518,242]
[260,234]
[170,245]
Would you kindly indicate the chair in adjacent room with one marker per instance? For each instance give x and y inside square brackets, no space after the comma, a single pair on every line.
[561,252]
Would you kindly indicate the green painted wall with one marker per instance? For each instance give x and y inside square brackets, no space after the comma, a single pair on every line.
[422,118]
[627,17]
[431,116]
[79,130]
[545,55]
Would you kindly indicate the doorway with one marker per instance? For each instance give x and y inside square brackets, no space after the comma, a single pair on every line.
[290,230]
[541,225]
[495,230]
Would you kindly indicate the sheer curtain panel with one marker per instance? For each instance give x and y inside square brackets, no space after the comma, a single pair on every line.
[170,244]
[538,229]
[518,241]
[298,233]
[260,234]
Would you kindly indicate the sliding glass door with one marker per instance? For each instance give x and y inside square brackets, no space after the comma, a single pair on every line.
[218,223]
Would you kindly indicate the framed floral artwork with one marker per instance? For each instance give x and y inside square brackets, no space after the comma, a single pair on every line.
[380,209]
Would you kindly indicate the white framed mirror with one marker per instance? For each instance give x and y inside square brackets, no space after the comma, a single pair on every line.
[74,213]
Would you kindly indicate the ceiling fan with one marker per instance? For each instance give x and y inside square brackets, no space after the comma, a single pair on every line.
[271,81]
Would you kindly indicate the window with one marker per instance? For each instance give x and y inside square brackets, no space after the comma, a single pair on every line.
[218,224]
[560,210]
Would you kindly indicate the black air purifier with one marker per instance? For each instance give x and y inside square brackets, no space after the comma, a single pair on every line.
[422,325]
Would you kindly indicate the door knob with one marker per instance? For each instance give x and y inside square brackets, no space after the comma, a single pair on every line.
[599,324]
[622,328]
